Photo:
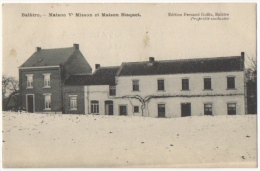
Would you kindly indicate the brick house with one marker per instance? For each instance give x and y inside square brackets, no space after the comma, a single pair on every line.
[172,88]
[42,77]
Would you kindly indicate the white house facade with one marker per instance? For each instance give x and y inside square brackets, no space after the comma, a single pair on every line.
[173,88]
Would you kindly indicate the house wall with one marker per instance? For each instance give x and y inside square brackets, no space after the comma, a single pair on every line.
[72,91]
[101,94]
[38,88]
[173,105]
[173,94]
[173,84]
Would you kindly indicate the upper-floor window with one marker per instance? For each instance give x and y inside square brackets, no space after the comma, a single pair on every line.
[94,106]
[112,90]
[185,84]
[231,107]
[231,82]
[135,85]
[29,80]
[207,83]
[160,84]
[47,101]
[73,102]
[47,78]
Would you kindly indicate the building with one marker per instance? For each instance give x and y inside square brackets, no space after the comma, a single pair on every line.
[42,77]
[172,88]
[92,93]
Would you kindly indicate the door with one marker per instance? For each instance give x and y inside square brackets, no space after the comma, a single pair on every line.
[185,109]
[30,104]
[109,109]
[122,110]
[161,110]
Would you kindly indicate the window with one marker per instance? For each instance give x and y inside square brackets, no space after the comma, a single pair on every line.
[160,84]
[46,80]
[29,80]
[112,90]
[135,85]
[231,108]
[208,109]
[185,84]
[73,102]
[94,106]
[230,82]
[207,83]
[47,101]
[136,109]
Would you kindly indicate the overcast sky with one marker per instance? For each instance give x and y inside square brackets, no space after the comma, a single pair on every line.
[110,41]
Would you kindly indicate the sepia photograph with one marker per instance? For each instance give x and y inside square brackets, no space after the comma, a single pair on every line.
[129,85]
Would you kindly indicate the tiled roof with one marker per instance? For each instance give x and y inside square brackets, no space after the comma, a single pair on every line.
[102,76]
[49,57]
[201,65]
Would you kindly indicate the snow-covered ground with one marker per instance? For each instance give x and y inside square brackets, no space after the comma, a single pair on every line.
[44,140]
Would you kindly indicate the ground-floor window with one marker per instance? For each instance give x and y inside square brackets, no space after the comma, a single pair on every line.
[73,102]
[136,109]
[231,107]
[94,106]
[47,101]
[208,109]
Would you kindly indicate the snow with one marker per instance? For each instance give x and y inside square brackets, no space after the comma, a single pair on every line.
[49,140]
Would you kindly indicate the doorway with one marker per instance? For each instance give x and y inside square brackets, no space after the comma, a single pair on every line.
[30,103]
[109,109]
[161,110]
[185,109]
[122,110]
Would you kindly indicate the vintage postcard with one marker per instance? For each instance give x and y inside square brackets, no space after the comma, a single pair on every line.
[129,85]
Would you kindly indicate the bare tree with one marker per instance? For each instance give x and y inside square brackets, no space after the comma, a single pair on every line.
[5,84]
[251,84]
[10,89]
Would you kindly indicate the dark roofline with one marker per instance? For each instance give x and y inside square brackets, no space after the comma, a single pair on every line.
[105,68]
[178,60]
[189,59]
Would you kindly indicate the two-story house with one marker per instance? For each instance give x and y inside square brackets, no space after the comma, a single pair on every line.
[42,77]
[189,87]
[171,88]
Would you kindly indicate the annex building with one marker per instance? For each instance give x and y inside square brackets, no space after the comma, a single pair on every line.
[64,82]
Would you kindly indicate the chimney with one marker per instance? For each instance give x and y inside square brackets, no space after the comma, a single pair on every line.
[38,49]
[151,59]
[76,46]
[97,66]
[242,61]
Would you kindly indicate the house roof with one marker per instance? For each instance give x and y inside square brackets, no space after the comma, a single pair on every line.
[49,57]
[102,76]
[201,65]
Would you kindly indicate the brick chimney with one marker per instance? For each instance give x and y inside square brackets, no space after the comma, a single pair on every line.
[97,66]
[38,49]
[76,46]
[242,61]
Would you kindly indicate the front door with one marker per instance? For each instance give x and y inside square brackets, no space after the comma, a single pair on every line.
[30,104]
[109,109]
[185,109]
[161,110]
[122,110]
